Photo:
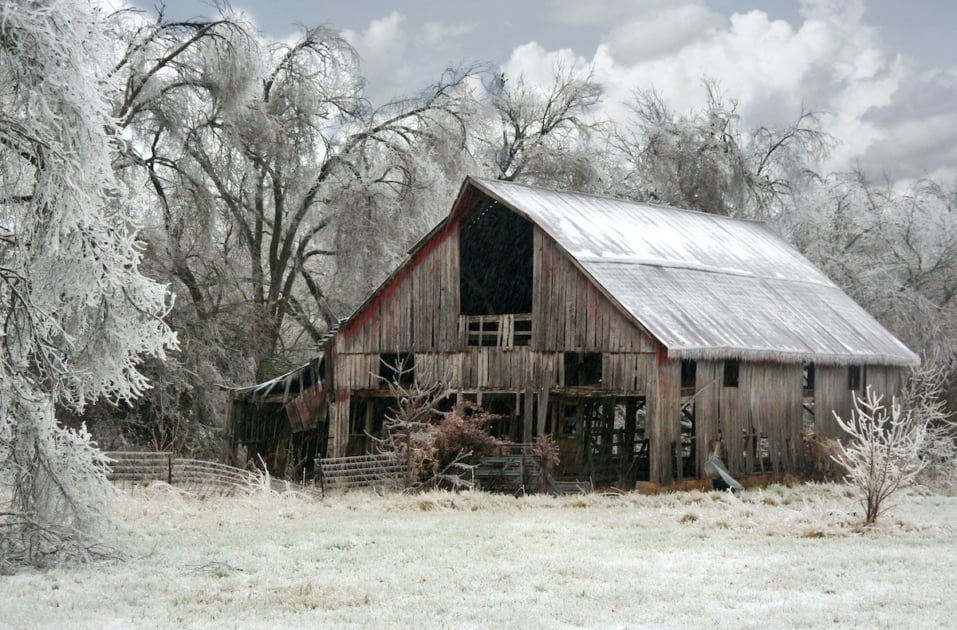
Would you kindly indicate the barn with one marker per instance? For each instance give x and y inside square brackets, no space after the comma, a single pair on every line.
[634,334]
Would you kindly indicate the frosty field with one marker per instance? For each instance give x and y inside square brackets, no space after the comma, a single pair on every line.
[777,557]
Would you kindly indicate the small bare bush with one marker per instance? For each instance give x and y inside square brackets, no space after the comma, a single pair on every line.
[883,453]
[545,448]
[442,446]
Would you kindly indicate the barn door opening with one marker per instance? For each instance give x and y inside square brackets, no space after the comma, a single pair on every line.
[603,439]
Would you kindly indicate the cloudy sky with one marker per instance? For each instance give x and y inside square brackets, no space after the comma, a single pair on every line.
[883,72]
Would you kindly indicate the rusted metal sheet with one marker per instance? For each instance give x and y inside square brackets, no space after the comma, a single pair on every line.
[303,412]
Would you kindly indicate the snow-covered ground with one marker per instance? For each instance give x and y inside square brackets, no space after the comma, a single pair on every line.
[773,558]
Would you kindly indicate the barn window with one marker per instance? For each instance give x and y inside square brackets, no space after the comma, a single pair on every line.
[808,378]
[854,376]
[688,371]
[582,368]
[483,331]
[521,331]
[397,369]
[503,331]
[571,418]
[731,369]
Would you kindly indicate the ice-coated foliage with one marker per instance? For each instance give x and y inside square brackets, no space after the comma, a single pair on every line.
[923,397]
[704,160]
[893,251]
[883,453]
[541,134]
[77,314]
[442,447]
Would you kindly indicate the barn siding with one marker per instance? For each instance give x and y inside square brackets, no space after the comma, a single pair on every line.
[419,311]
[339,433]
[775,413]
[707,409]
[832,394]
[569,313]
[663,427]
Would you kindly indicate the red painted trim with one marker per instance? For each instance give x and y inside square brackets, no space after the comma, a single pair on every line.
[468,197]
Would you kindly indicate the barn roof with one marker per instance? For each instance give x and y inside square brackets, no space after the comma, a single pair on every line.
[706,286]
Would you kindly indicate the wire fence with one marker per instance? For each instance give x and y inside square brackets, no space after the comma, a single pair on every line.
[133,467]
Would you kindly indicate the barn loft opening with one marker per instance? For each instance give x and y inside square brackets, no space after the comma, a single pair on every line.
[496,262]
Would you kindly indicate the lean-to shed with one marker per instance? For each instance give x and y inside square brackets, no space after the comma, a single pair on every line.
[635,334]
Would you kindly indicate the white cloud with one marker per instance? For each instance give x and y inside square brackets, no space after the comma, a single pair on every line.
[382,36]
[383,54]
[438,34]
[653,34]
[538,65]
[833,61]
[602,12]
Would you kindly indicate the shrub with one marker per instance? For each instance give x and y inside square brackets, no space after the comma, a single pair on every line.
[883,454]
[442,446]
[922,397]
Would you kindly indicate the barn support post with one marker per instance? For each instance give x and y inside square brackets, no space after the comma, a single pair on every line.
[528,416]
[664,409]
[339,436]
[229,442]
[541,421]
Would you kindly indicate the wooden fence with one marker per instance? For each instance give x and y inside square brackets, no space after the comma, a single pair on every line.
[142,467]
[363,471]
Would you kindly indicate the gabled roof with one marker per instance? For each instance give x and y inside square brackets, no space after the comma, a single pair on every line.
[705,286]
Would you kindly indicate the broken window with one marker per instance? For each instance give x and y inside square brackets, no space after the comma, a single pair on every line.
[854,376]
[689,370]
[483,331]
[503,331]
[731,369]
[397,369]
[582,369]
[522,331]
[808,378]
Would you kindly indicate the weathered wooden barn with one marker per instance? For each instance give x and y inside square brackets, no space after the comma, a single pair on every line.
[634,334]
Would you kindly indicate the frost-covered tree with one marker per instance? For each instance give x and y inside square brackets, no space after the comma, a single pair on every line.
[893,251]
[266,164]
[77,315]
[541,134]
[704,160]
[274,198]
[923,397]
[883,451]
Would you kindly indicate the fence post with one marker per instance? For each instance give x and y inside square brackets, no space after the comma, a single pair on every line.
[169,468]
[322,476]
